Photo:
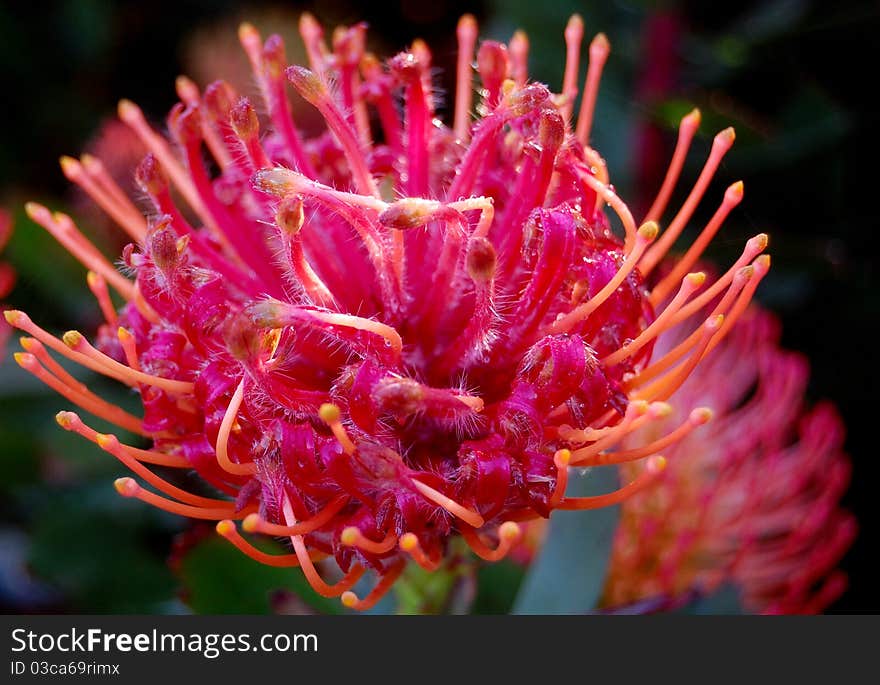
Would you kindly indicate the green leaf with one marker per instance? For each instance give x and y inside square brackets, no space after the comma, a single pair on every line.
[568,575]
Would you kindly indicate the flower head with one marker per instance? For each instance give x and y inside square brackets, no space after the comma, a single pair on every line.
[7,276]
[393,331]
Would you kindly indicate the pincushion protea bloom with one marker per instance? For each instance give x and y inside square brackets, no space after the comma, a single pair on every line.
[394,331]
[753,499]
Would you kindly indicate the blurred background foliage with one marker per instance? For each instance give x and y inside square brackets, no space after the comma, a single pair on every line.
[796,79]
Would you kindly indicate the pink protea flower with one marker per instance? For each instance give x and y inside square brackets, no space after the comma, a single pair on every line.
[391,332]
[754,498]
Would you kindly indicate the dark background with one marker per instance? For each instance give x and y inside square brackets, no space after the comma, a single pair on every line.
[796,78]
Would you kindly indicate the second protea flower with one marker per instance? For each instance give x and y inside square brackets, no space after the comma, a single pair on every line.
[392,332]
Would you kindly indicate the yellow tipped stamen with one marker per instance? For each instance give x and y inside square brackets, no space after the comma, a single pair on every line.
[664,387]
[561,460]
[637,413]
[331,415]
[599,51]
[689,284]
[519,58]
[645,236]
[350,599]
[129,487]
[121,211]
[574,35]
[129,348]
[508,533]
[125,374]
[753,248]
[672,356]
[309,571]
[352,537]
[722,143]
[409,543]
[466,34]
[469,516]
[252,44]
[686,131]
[761,266]
[653,469]
[732,198]
[36,348]
[81,398]
[698,417]
[226,528]
[222,448]
[254,524]
[72,422]
[110,444]
[132,116]
[98,286]
[62,228]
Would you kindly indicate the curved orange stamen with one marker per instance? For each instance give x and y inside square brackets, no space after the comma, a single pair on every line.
[508,533]
[388,579]
[222,447]
[254,524]
[652,470]
[469,516]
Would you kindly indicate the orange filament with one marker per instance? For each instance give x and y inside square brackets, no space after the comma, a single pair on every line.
[70,421]
[676,353]
[62,228]
[23,322]
[574,34]
[111,445]
[722,143]
[599,50]
[732,197]
[698,417]
[561,460]
[311,573]
[36,348]
[129,487]
[409,543]
[125,374]
[686,131]
[353,537]
[508,533]
[81,398]
[131,115]
[656,410]
[98,286]
[519,58]
[753,248]
[604,192]
[645,235]
[469,516]
[653,469]
[466,34]
[690,284]
[330,414]
[222,448]
[254,524]
[123,214]
[350,599]
[762,266]
[636,409]
[663,388]
[362,324]
[98,173]
[126,340]
[227,529]
[472,401]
